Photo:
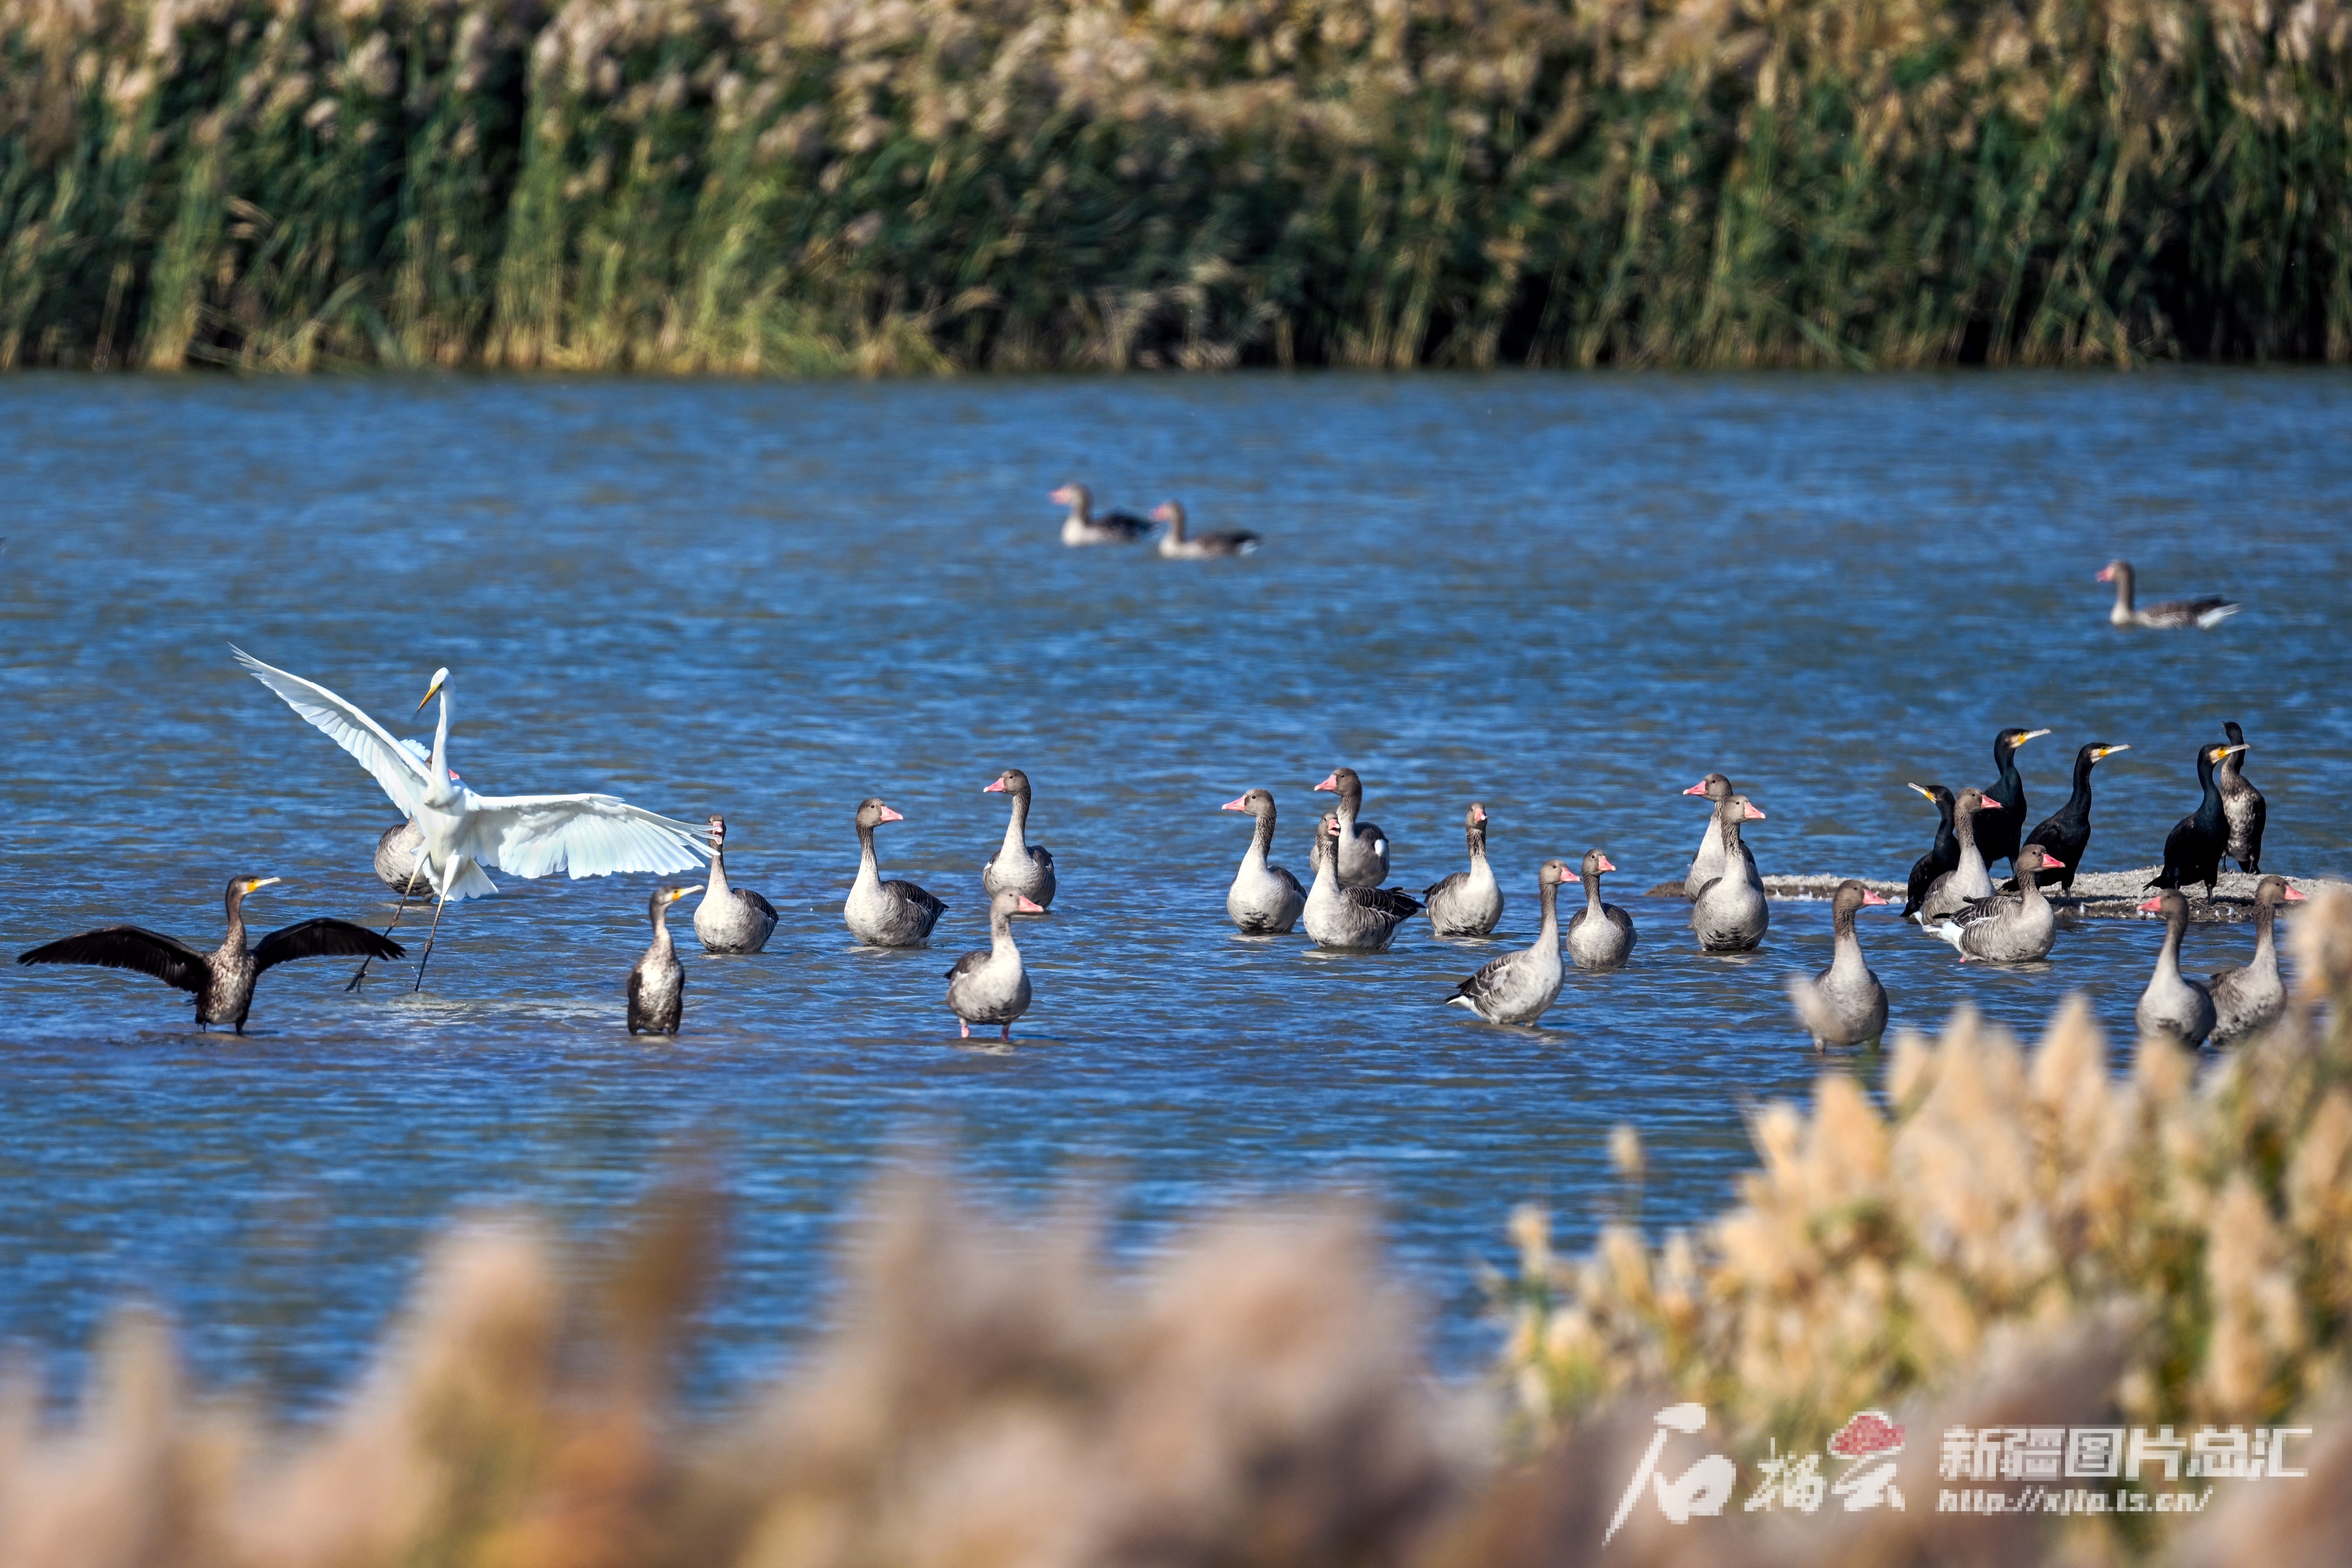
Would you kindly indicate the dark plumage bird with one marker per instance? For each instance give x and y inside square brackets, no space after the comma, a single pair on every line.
[222,980]
[1998,835]
[2242,806]
[1944,857]
[2193,851]
[658,980]
[2066,835]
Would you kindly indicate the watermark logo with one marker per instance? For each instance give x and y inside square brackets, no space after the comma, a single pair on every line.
[2036,1458]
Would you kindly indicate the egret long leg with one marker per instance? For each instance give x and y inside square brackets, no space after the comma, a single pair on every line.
[427,957]
[399,910]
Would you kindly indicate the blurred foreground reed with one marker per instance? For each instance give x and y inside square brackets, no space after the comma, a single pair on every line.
[908,185]
[2021,1241]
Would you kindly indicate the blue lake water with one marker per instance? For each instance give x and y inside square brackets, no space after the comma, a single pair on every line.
[1565,597]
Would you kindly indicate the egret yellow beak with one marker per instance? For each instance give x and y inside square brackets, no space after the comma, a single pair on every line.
[429,693]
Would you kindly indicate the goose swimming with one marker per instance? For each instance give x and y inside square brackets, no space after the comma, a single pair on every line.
[1018,865]
[1174,546]
[2008,928]
[1083,528]
[729,919]
[2173,1004]
[1517,987]
[1599,935]
[1363,847]
[885,913]
[1264,898]
[1845,1004]
[1339,914]
[1968,881]
[2248,998]
[2173,614]
[1730,914]
[1707,864]
[1467,902]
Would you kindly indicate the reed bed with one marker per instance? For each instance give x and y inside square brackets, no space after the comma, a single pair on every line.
[923,185]
[2018,1239]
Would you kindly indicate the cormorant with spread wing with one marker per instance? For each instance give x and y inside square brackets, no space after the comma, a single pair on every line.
[221,981]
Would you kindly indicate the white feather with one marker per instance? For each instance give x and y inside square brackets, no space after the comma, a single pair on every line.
[402,775]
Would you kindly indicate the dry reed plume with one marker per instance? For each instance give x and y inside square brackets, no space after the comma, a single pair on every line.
[921,184]
[2023,1240]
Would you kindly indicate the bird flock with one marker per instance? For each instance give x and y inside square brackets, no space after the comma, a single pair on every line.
[450,837]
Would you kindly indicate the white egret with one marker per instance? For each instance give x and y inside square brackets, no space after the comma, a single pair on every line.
[525,835]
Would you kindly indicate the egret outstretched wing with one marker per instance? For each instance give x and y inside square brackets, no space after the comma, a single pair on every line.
[587,835]
[400,774]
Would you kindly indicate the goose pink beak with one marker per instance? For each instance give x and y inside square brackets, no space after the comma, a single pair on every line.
[1754,815]
[890,816]
[1330,780]
[1030,907]
[2052,861]
[2106,574]
[1697,788]
[993,786]
[1482,813]
[1990,804]
[1240,805]
[1870,897]
[2295,895]
[1604,864]
[2153,907]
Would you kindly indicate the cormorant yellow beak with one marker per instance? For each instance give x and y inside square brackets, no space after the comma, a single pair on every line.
[1925,793]
[2029,735]
[256,883]
[2108,751]
[677,893]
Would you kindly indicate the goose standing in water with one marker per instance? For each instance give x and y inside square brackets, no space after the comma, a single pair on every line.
[1845,1004]
[1599,935]
[2065,837]
[1018,865]
[2248,998]
[1174,546]
[2008,928]
[1337,914]
[729,919]
[1968,881]
[2242,806]
[885,913]
[2202,613]
[1263,899]
[1517,987]
[1999,836]
[990,987]
[658,980]
[1707,864]
[1730,914]
[1083,528]
[1467,902]
[222,980]
[1945,855]
[2193,851]
[400,860]
[2173,1004]
[1363,847]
